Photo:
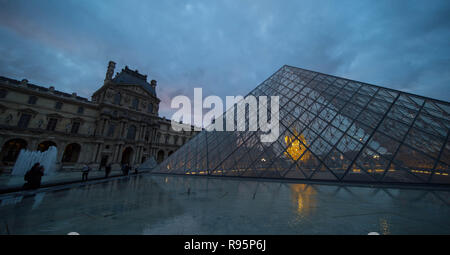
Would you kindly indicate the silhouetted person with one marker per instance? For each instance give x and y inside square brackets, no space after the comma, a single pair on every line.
[124,169]
[136,170]
[127,169]
[29,176]
[107,170]
[85,171]
[35,177]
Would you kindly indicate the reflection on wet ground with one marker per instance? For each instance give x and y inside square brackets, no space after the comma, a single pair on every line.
[161,204]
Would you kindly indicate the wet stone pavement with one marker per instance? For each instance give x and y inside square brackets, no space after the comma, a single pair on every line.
[164,204]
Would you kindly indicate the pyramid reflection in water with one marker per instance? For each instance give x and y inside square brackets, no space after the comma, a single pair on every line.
[331,129]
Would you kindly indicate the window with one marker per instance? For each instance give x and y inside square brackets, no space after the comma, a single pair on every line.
[75,127]
[58,105]
[117,98]
[3,93]
[131,132]
[32,100]
[111,130]
[51,125]
[150,108]
[80,110]
[135,104]
[24,120]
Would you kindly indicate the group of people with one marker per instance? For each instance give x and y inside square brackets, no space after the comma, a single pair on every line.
[33,177]
[126,168]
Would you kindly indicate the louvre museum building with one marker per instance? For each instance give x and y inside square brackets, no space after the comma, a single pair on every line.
[120,124]
[331,129]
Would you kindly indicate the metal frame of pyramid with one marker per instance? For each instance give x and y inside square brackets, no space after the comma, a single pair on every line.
[331,129]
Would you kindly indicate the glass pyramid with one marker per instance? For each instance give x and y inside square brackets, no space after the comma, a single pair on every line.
[331,129]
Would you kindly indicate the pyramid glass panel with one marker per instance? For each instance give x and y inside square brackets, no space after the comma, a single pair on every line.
[330,129]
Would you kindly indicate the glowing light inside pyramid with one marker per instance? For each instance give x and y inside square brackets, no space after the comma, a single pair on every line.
[354,132]
[296,146]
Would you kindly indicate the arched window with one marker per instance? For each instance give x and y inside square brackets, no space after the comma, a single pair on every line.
[127,156]
[117,98]
[71,153]
[131,132]
[11,149]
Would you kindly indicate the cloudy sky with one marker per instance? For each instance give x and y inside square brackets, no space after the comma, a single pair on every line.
[226,47]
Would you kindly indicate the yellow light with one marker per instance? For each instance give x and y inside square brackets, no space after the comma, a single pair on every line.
[295,147]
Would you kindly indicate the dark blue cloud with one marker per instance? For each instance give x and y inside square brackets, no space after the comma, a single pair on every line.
[226,47]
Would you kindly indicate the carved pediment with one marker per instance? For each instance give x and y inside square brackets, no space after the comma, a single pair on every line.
[29,111]
[55,115]
[78,119]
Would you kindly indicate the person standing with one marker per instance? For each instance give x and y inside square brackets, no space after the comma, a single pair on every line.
[124,169]
[29,176]
[127,169]
[36,176]
[85,171]
[107,170]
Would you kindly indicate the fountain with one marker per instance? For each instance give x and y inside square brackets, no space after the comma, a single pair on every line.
[28,158]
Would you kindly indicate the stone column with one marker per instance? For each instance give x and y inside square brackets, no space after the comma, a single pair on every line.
[139,155]
[121,129]
[119,152]
[114,155]
[124,127]
[98,152]
[94,154]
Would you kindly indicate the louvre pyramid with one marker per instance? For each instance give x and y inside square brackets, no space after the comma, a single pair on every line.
[331,129]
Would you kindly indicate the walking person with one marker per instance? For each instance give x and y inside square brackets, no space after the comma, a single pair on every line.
[107,170]
[85,172]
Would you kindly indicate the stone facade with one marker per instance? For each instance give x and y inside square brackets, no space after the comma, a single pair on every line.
[120,124]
